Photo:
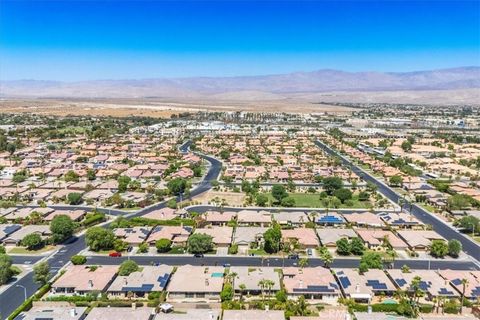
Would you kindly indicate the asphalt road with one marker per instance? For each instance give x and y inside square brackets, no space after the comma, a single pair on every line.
[13,296]
[178,260]
[469,247]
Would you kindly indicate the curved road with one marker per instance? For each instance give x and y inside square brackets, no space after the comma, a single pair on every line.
[13,296]
[469,246]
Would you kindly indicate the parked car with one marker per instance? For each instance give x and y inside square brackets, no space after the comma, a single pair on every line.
[115,254]
[198,255]
[309,252]
[293,256]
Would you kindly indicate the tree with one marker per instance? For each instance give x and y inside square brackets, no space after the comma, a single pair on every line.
[98,238]
[200,243]
[78,259]
[71,176]
[343,247]
[371,260]
[272,238]
[62,227]
[41,273]
[464,287]
[363,196]
[343,194]
[2,250]
[396,180]
[242,288]
[227,292]
[123,182]
[91,174]
[261,200]
[163,245]
[127,267]
[74,198]
[458,201]
[177,186]
[356,246]
[406,146]
[303,263]
[5,268]
[288,202]
[438,248]
[454,248]
[279,192]
[326,256]
[32,241]
[330,184]
[143,247]
[468,223]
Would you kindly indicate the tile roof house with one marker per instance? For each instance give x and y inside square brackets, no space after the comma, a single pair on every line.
[219,218]
[306,237]
[472,287]
[253,314]
[196,284]
[316,284]
[53,311]
[8,229]
[330,236]
[140,283]
[161,214]
[222,236]
[363,287]
[251,277]
[118,313]
[245,236]
[431,282]
[190,314]
[400,220]
[16,237]
[297,218]
[251,217]
[81,279]
[419,240]
[177,234]
[133,235]
[364,219]
[374,238]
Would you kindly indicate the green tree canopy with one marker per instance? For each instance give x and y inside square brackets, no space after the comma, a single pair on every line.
[32,241]
[343,194]
[330,184]
[438,248]
[62,227]
[5,268]
[272,239]
[279,192]
[127,267]
[41,273]
[454,248]
[98,238]
[200,243]
[163,245]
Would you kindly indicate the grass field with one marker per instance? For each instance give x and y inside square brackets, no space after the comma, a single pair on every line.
[23,250]
[312,200]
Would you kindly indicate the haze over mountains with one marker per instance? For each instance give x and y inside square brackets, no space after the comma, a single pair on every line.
[299,85]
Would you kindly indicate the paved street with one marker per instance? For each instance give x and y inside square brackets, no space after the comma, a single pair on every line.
[276,262]
[12,297]
[470,247]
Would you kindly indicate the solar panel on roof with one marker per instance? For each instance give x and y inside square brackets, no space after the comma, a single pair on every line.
[376,285]
[345,282]
[445,292]
[163,280]
[456,282]
[401,282]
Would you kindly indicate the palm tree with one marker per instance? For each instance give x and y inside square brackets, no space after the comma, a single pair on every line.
[326,256]
[464,287]
[303,263]
[262,284]
[242,288]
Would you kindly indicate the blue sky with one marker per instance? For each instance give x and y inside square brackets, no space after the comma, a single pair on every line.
[83,40]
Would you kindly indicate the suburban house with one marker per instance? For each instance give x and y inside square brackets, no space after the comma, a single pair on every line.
[8,229]
[376,239]
[177,234]
[431,283]
[196,284]
[246,237]
[329,219]
[118,313]
[472,286]
[217,218]
[16,237]
[306,237]
[291,218]
[419,240]
[251,278]
[53,311]
[254,218]
[222,236]
[363,287]
[80,280]
[190,314]
[401,220]
[330,236]
[316,284]
[364,219]
[133,235]
[253,314]
[140,283]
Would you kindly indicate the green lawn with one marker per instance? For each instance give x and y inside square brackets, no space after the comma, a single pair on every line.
[258,252]
[312,200]
[23,250]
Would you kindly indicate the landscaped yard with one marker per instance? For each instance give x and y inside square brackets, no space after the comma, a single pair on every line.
[312,200]
[23,250]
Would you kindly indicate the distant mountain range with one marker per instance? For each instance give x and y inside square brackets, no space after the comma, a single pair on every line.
[266,87]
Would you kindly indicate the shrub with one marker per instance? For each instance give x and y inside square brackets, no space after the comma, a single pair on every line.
[233,249]
[78,259]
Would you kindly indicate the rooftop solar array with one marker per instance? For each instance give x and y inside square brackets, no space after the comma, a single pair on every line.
[377,285]
[330,219]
